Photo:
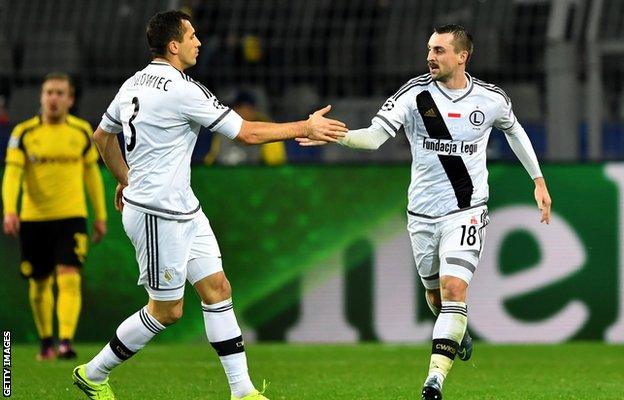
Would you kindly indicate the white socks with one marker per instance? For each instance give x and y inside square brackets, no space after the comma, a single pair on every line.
[222,331]
[224,335]
[131,336]
[448,332]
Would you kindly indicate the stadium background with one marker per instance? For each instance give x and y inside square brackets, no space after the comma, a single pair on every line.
[317,249]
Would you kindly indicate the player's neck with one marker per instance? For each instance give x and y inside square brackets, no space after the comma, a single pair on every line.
[175,63]
[457,82]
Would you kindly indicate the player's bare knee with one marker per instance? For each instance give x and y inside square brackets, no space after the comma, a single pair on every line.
[167,313]
[175,314]
[453,289]
[225,289]
[170,316]
[218,292]
[217,289]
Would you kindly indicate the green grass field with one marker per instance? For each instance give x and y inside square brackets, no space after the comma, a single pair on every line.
[324,372]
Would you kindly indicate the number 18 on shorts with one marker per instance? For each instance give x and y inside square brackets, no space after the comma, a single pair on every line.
[449,245]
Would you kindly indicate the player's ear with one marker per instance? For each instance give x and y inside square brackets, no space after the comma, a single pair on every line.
[463,56]
[173,47]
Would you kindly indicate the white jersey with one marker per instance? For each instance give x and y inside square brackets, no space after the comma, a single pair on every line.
[448,134]
[160,110]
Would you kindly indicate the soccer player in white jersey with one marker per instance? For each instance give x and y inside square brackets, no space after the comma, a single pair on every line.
[447,116]
[160,110]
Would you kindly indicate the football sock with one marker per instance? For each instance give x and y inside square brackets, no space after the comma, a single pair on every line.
[131,336]
[225,336]
[68,304]
[447,334]
[42,304]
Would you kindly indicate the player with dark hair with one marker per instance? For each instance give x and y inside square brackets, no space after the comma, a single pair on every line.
[51,157]
[160,110]
[447,116]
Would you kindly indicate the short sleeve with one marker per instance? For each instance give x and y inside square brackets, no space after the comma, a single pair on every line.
[111,120]
[393,114]
[203,107]
[506,119]
[15,150]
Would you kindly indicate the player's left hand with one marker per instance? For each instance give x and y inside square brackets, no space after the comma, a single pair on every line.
[543,199]
[99,231]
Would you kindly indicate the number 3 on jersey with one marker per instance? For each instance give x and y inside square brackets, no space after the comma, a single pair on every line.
[130,146]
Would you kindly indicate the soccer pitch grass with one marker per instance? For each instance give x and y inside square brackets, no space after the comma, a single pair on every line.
[337,372]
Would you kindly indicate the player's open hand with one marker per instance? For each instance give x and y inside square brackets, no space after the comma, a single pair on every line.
[325,129]
[118,197]
[11,224]
[543,199]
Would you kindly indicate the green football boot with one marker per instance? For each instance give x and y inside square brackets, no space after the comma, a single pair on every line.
[95,391]
[255,395]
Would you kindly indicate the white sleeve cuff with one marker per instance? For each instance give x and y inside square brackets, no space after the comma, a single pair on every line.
[110,124]
[386,124]
[228,124]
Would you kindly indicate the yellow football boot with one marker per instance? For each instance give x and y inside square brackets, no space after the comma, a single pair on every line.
[95,391]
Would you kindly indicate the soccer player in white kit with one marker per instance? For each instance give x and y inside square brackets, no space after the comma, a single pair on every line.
[160,110]
[447,116]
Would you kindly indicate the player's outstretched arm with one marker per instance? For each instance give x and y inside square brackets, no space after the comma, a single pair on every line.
[108,146]
[317,127]
[370,138]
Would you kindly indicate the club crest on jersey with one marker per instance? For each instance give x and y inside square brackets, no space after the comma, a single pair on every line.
[388,105]
[477,118]
[473,220]
[169,273]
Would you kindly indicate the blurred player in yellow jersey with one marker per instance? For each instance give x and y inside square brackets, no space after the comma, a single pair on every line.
[51,157]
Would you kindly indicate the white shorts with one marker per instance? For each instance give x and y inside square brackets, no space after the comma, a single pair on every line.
[449,245]
[164,248]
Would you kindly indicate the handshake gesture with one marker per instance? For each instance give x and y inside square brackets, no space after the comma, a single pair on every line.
[322,130]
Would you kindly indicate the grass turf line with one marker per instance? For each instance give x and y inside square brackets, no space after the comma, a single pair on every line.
[336,372]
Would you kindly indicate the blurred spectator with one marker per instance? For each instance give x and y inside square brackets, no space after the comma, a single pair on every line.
[232,153]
